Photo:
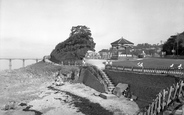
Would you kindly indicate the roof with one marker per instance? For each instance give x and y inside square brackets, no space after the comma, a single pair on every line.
[90,51]
[121,41]
[104,50]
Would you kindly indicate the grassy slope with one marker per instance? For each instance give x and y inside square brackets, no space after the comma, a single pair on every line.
[47,68]
[27,79]
[23,85]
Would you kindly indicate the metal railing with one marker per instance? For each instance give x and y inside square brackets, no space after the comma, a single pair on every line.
[171,71]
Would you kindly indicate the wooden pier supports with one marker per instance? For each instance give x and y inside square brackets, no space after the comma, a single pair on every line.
[10,64]
[23,62]
[22,59]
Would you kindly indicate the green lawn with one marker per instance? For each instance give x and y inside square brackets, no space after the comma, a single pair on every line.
[144,86]
[150,62]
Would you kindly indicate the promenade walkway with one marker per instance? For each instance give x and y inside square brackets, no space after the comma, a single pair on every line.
[96,62]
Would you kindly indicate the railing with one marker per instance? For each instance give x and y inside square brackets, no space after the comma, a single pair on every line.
[167,99]
[23,60]
[179,72]
[72,63]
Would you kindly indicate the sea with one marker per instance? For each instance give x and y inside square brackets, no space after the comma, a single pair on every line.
[4,64]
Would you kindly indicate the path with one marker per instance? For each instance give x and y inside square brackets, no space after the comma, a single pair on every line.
[96,62]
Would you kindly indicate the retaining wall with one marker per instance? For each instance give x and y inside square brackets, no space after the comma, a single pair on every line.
[88,78]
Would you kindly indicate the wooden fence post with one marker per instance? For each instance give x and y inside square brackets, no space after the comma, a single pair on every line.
[148,111]
[181,86]
[159,102]
[176,89]
[156,103]
[169,97]
[163,99]
[152,107]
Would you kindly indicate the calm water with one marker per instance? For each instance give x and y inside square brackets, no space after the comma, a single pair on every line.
[4,64]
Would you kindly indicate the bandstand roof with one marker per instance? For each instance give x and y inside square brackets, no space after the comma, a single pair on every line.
[122,41]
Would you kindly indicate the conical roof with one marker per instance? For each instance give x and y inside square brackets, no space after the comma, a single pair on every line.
[122,41]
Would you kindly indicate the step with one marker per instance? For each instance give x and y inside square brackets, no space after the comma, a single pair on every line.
[107,96]
[110,84]
[108,81]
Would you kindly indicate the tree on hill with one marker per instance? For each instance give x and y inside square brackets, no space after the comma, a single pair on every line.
[75,47]
[174,44]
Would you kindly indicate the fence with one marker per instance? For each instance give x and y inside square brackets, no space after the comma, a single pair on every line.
[179,72]
[174,96]
[72,63]
[171,98]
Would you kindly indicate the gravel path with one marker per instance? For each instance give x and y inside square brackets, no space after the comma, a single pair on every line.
[96,62]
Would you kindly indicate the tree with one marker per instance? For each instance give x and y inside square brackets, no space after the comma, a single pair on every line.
[75,47]
[174,45]
[169,45]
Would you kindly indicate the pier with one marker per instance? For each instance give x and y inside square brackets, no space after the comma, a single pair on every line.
[23,60]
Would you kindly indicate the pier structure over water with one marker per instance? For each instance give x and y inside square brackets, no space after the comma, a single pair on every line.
[23,60]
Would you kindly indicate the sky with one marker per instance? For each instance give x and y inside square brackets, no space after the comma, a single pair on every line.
[32,28]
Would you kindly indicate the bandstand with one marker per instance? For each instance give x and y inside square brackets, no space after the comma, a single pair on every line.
[121,49]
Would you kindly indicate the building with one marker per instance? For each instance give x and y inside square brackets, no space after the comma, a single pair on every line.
[121,48]
[105,54]
[92,55]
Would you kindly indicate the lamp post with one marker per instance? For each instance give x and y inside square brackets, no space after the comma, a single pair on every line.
[177,38]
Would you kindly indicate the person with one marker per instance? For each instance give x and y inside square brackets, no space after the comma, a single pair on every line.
[127,93]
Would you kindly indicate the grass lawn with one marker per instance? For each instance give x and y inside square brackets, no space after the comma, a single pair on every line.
[149,62]
[144,86]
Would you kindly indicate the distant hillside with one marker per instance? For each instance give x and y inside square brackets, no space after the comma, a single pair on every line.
[75,47]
